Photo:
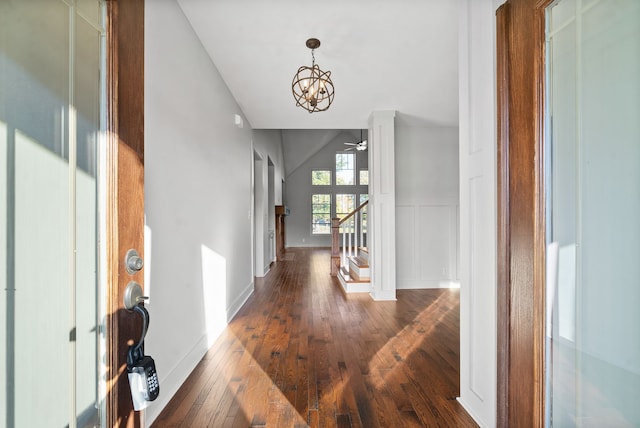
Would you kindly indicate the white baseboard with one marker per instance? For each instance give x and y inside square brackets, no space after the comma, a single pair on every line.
[239,301]
[266,271]
[409,284]
[358,287]
[381,295]
[471,413]
[173,380]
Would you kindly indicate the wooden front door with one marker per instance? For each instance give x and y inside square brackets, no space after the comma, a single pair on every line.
[521,318]
[125,194]
[568,167]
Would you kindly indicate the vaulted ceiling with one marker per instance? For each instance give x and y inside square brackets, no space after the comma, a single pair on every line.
[383,55]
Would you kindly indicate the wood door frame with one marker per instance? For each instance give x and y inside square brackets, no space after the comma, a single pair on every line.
[124,194]
[520,36]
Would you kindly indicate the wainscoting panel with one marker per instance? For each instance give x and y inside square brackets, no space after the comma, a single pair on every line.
[427,246]
[406,245]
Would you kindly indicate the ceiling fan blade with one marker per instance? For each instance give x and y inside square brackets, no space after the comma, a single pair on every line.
[351,144]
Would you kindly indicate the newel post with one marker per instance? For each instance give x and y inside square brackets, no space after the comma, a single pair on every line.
[335,246]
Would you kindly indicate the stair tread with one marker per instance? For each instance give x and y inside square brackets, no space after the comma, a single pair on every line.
[348,278]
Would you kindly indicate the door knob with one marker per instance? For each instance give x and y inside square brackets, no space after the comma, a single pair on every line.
[133,262]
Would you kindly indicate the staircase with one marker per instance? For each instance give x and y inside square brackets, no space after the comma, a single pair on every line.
[355,277]
[349,254]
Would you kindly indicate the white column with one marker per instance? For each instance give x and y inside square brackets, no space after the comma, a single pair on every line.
[382,205]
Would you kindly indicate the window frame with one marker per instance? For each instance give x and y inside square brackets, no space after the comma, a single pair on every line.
[353,168]
[362,197]
[342,214]
[323,213]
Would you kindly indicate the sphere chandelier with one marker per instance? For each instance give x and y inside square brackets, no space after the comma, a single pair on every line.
[312,87]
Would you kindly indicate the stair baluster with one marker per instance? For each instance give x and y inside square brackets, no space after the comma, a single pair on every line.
[344,247]
[349,240]
[350,234]
[354,230]
[362,231]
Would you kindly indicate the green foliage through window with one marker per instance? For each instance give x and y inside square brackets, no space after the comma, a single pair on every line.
[320,177]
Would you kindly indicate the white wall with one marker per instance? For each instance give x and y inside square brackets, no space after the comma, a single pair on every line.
[299,191]
[426,207]
[477,210]
[198,198]
[267,145]
[301,144]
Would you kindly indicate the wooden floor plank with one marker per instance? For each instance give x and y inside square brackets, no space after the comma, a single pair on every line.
[302,353]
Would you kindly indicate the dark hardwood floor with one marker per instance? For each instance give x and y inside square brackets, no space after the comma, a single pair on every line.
[302,353]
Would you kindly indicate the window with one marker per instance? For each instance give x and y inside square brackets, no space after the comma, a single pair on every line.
[345,169]
[323,205]
[364,177]
[320,177]
[321,214]
[344,205]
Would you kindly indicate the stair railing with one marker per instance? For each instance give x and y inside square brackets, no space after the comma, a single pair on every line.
[353,237]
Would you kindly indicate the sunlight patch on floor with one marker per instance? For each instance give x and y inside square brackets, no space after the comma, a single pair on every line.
[403,344]
[255,393]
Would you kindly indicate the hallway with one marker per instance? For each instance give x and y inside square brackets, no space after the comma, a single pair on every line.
[302,353]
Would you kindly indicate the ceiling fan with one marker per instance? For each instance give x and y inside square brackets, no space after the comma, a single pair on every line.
[360,145]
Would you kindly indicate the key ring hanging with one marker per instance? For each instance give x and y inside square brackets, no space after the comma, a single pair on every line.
[136,352]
